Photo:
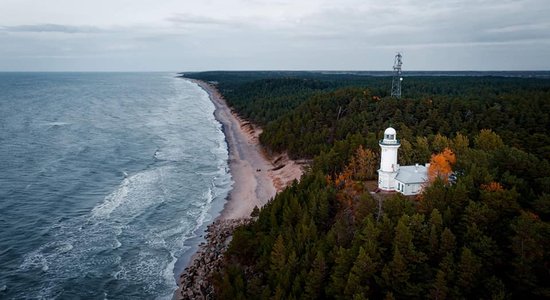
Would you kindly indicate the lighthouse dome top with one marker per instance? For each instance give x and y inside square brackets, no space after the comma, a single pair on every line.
[390,130]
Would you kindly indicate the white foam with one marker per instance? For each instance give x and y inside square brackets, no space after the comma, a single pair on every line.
[117,231]
[52,124]
[112,201]
[65,248]
[209,197]
[172,152]
[168,273]
[155,241]
[34,260]
[133,195]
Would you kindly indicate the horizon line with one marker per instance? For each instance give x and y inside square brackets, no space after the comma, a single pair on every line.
[254,70]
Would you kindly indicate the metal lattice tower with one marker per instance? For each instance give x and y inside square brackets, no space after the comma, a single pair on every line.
[396,81]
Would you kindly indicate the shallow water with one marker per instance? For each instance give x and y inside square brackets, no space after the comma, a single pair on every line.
[103,179]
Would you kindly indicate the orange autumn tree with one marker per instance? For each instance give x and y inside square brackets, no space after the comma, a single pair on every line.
[493,186]
[349,188]
[441,165]
[363,164]
[350,182]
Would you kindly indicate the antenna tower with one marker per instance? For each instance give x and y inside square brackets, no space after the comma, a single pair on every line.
[396,81]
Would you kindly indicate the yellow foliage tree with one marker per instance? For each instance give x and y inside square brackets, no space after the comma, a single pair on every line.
[441,165]
[487,140]
[440,142]
[350,182]
[363,164]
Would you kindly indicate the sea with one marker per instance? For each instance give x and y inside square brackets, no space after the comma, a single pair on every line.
[106,182]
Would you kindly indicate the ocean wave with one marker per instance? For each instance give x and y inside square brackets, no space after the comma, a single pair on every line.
[133,195]
[139,204]
[173,154]
[54,124]
[112,201]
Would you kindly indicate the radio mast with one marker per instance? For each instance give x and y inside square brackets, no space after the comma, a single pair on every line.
[396,81]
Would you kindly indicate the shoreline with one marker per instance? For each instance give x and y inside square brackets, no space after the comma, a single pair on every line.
[251,187]
[257,178]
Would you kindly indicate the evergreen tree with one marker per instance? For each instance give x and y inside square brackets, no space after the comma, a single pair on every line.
[316,278]
[468,271]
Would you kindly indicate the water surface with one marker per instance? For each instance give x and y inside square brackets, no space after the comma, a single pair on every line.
[103,179]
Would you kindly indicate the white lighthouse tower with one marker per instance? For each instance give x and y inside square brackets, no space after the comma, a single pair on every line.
[388,160]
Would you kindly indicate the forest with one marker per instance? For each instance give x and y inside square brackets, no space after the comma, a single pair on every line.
[484,235]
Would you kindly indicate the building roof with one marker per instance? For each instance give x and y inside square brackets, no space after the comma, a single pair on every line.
[412,174]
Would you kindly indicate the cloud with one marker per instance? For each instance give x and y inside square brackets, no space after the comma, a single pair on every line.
[188,19]
[53,28]
[526,31]
[275,34]
[251,23]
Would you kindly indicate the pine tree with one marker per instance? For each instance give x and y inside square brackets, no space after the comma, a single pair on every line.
[460,143]
[278,259]
[422,149]
[406,152]
[403,240]
[447,243]
[447,266]
[389,296]
[316,277]
[360,274]
[359,296]
[439,288]
[468,270]
[340,272]
[440,142]
[435,232]
[370,242]
[487,140]
[396,274]
[528,245]
[255,212]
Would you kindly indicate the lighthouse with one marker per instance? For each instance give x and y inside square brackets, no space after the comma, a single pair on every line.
[388,160]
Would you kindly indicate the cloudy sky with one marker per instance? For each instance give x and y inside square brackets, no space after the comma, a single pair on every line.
[184,35]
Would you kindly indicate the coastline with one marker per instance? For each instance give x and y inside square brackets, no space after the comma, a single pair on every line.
[251,187]
[257,177]
[256,180]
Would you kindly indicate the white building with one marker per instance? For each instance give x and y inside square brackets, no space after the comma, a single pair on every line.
[407,180]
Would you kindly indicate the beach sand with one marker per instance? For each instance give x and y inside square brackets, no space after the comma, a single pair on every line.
[257,178]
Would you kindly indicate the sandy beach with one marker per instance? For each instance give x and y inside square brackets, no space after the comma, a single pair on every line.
[257,179]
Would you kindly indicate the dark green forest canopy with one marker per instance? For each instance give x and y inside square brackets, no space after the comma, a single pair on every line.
[485,236]
[306,112]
